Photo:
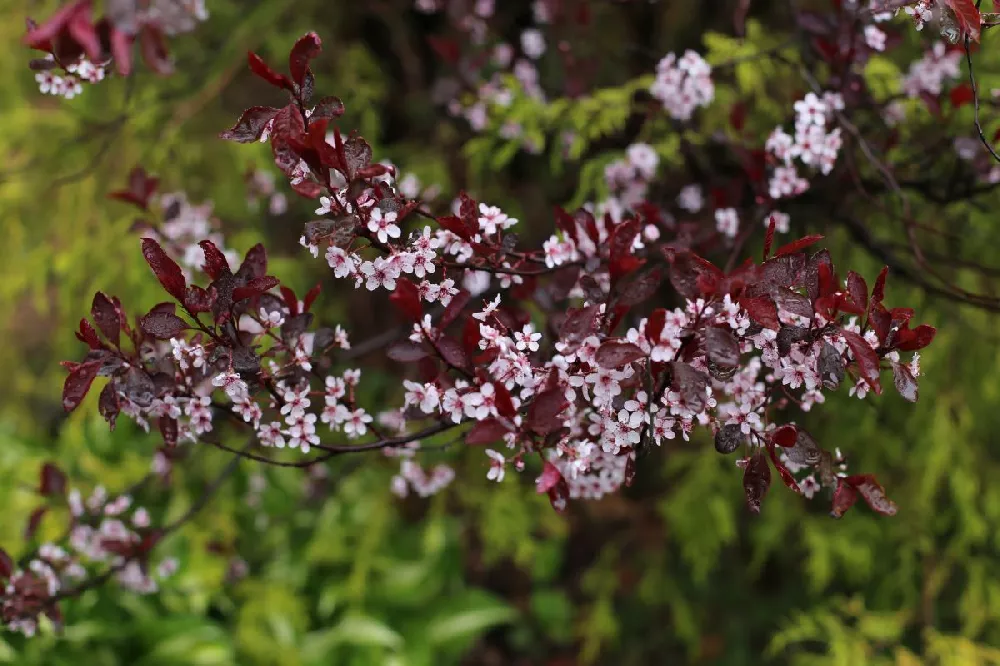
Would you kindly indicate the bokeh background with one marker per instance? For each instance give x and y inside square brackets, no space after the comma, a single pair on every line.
[298,569]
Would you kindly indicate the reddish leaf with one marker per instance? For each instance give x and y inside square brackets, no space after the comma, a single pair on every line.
[505,406]
[878,291]
[306,48]
[455,307]
[169,430]
[155,53]
[616,353]
[256,287]
[88,335]
[905,382]
[786,476]
[961,95]
[873,493]
[762,310]
[756,480]
[967,17]
[554,485]
[920,337]
[254,263]
[858,289]
[642,288]
[407,299]
[545,414]
[108,405]
[311,296]
[786,436]
[6,565]
[106,317]
[261,69]
[452,352]
[34,520]
[691,384]
[166,269]
[328,108]
[722,347]
[196,299]
[486,432]
[729,438]
[549,478]
[216,264]
[866,358]
[291,301]
[844,498]
[251,124]
[579,323]
[78,383]
[406,351]
[52,481]
[769,237]
[800,244]
[140,189]
[162,325]
[622,261]
[880,320]
[121,50]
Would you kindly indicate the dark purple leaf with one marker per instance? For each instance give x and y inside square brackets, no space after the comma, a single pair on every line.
[858,289]
[305,49]
[452,352]
[407,299]
[798,245]
[78,383]
[6,565]
[756,480]
[328,108]
[162,325]
[873,494]
[905,382]
[762,310]
[406,351]
[866,358]
[166,269]
[486,432]
[261,69]
[722,347]
[616,353]
[34,520]
[255,287]
[455,307]
[105,315]
[830,366]
[251,124]
[545,414]
[691,384]
[107,404]
[642,288]
[52,481]
[844,498]
[728,438]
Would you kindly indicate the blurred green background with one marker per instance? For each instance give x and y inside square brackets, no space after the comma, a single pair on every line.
[338,571]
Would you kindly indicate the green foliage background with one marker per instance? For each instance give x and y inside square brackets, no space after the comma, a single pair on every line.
[673,571]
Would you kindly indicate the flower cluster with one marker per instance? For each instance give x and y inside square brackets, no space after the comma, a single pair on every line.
[929,74]
[573,391]
[683,84]
[107,531]
[69,84]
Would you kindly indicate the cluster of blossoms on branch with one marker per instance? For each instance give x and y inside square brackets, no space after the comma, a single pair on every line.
[103,531]
[618,365]
[79,49]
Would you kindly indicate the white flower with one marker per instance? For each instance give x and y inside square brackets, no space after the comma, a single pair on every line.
[533,43]
[497,462]
[727,222]
[383,225]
